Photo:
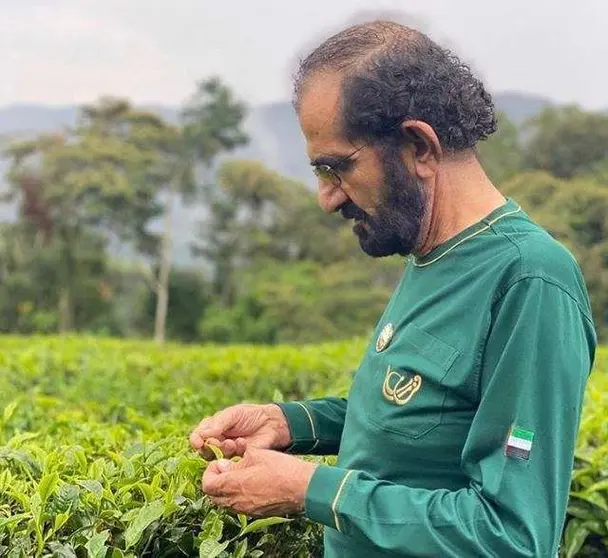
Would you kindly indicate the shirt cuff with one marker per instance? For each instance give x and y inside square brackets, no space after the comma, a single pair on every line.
[326,491]
[301,427]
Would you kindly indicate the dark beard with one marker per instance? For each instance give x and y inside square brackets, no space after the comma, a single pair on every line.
[395,227]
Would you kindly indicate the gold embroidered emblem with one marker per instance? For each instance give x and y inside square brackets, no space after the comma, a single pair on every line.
[398,388]
[385,337]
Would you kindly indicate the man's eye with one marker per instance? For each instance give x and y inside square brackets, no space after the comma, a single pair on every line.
[344,166]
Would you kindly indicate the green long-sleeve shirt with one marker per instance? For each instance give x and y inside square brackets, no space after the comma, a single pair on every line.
[457,438]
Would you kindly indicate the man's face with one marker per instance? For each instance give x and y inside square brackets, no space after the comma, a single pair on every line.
[376,190]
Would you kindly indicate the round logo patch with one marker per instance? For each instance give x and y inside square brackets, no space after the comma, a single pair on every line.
[385,337]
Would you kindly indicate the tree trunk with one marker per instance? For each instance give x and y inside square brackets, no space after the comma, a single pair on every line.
[65,304]
[162,289]
[66,314]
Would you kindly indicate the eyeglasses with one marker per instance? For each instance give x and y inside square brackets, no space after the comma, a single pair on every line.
[329,173]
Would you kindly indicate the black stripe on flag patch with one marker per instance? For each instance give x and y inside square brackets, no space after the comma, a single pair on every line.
[518,452]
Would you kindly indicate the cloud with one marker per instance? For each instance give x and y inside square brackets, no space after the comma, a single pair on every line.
[59,54]
[154,50]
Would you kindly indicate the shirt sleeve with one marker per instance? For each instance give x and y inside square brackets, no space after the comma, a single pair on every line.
[518,455]
[315,425]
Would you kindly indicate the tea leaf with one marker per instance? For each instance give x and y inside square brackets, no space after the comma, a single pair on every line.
[210,548]
[146,490]
[575,536]
[216,451]
[261,524]
[241,549]
[62,550]
[96,546]
[145,516]
[93,486]
[47,486]
[9,410]
[598,486]
[212,527]
[60,520]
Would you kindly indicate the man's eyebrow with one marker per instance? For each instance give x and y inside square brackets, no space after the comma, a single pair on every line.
[331,160]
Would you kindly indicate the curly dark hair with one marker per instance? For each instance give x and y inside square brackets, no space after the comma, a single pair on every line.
[391,73]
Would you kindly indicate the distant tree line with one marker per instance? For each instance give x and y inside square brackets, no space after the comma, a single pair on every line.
[273,267]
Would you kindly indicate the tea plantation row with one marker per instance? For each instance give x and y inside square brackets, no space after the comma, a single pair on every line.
[95,460]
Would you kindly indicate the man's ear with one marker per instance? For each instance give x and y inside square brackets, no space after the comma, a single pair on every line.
[423,149]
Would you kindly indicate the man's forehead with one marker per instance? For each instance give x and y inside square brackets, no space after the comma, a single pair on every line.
[319,113]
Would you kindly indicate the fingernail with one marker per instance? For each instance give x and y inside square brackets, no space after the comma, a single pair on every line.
[224,465]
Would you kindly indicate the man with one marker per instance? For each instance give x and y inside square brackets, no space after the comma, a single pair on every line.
[458,434]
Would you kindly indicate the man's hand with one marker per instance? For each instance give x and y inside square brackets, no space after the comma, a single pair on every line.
[264,483]
[242,426]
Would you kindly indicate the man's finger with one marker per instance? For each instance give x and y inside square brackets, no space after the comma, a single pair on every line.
[216,425]
[196,440]
[253,454]
[241,446]
[213,483]
[198,435]
[203,424]
[228,448]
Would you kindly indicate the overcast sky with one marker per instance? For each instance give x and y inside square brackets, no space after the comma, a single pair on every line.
[72,51]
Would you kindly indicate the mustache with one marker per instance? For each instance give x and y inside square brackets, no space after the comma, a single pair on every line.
[352,211]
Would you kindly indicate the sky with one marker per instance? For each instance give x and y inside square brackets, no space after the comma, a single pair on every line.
[155,51]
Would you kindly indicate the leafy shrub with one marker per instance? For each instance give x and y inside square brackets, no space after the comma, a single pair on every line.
[586,532]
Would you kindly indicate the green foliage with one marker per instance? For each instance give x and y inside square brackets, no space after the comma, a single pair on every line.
[94,446]
[567,141]
[95,460]
[586,533]
[501,154]
[303,302]
[31,281]
[274,267]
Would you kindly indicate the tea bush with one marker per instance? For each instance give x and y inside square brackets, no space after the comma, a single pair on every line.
[95,459]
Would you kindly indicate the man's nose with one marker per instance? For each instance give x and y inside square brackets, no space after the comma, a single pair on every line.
[330,197]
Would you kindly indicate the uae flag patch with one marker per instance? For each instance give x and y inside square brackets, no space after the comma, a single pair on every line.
[519,443]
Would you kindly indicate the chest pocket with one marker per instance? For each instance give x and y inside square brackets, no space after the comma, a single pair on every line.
[407,392]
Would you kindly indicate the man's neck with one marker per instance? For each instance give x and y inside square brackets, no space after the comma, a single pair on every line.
[462,196]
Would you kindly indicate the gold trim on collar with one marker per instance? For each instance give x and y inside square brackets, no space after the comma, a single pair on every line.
[485,228]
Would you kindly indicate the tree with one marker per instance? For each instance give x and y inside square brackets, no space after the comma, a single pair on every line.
[501,154]
[244,206]
[95,181]
[567,141]
[210,124]
[30,275]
